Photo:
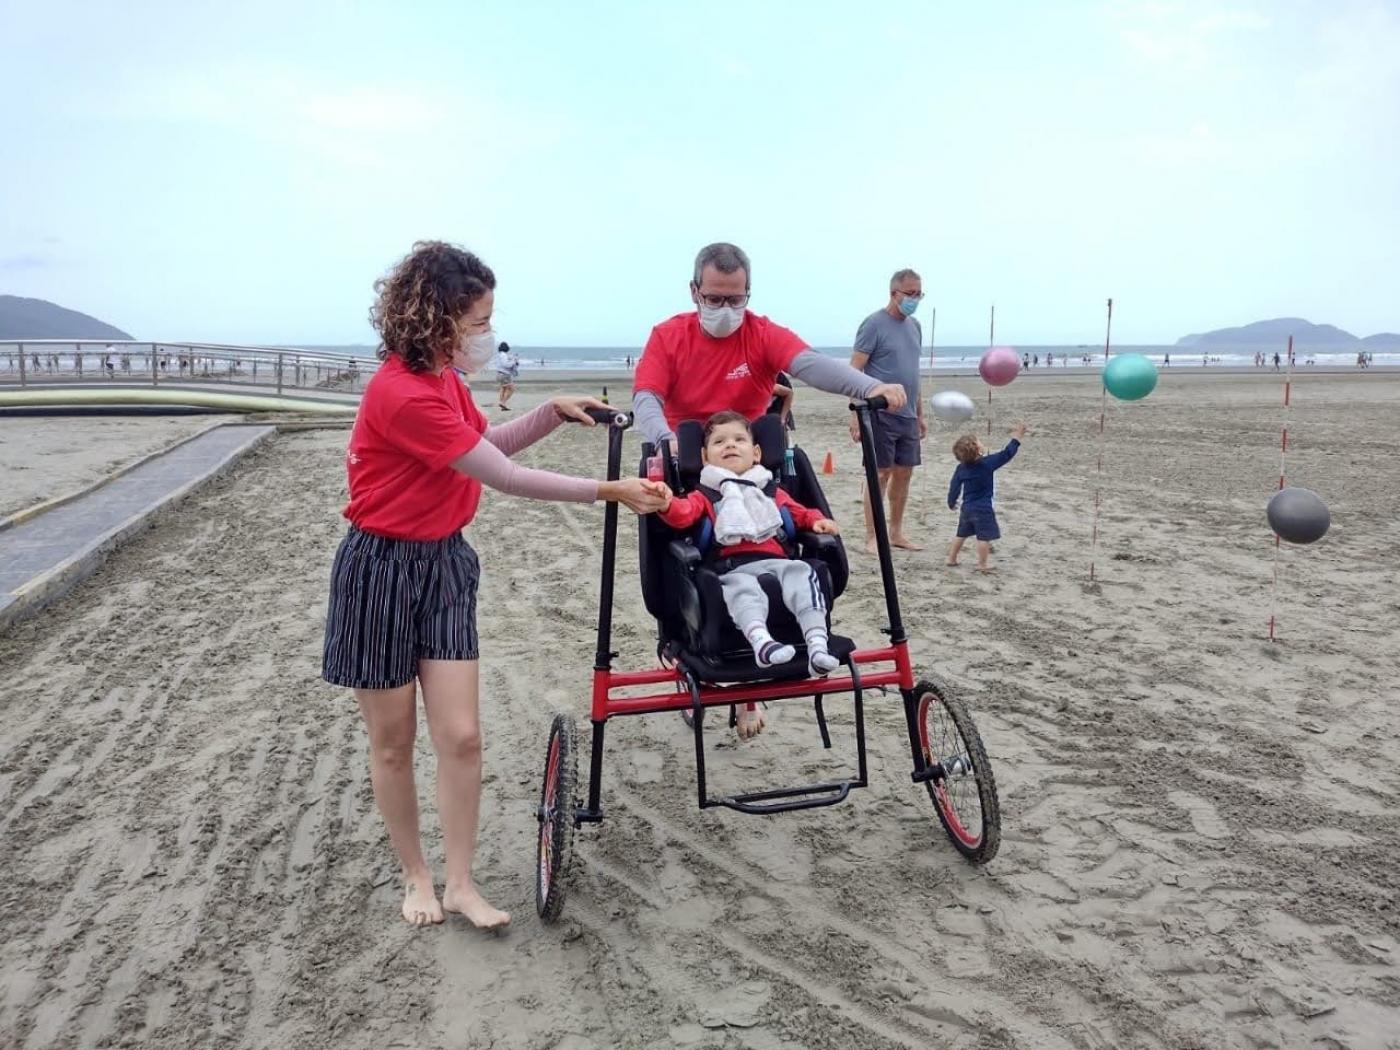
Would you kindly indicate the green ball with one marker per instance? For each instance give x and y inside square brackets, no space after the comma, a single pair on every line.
[1129,377]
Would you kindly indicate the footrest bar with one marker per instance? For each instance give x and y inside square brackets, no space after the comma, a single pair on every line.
[782,800]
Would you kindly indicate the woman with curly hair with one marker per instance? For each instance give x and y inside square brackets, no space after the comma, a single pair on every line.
[403,586]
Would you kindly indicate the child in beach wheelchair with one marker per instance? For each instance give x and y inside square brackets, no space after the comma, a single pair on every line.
[744,593]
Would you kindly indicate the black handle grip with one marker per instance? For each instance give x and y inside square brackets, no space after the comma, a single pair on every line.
[609,416]
[878,403]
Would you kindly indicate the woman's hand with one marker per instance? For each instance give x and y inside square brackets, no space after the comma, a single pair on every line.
[637,494]
[576,408]
[826,527]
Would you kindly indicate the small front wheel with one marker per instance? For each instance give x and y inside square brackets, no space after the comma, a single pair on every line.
[556,815]
[965,794]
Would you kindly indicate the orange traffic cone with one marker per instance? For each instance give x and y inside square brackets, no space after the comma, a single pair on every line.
[828,467]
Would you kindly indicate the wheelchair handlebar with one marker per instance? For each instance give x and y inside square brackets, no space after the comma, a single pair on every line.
[610,417]
[878,403]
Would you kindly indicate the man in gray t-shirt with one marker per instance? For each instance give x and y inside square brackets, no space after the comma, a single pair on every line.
[887,348]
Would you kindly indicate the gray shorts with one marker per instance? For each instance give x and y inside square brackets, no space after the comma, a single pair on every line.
[896,440]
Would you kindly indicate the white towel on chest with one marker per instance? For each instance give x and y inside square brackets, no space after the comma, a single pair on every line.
[744,513]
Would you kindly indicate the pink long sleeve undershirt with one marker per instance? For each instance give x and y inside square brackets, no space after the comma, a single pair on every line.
[490,463]
[523,432]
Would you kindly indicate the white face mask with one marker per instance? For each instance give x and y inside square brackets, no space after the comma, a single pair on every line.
[474,352]
[720,321]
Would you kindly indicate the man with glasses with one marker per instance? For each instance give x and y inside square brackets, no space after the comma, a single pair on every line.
[724,356]
[888,345]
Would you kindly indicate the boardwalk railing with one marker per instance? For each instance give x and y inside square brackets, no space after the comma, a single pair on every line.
[57,362]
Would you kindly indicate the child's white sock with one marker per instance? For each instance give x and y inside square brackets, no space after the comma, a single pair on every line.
[819,660]
[766,650]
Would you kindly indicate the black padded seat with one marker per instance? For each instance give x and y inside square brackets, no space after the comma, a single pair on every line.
[739,666]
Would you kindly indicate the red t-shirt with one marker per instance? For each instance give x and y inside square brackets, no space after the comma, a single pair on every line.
[696,376]
[409,429]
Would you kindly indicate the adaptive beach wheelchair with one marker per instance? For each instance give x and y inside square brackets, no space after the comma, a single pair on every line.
[705,662]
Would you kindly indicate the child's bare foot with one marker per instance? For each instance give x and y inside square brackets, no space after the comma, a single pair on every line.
[750,721]
[420,903]
[468,902]
[904,542]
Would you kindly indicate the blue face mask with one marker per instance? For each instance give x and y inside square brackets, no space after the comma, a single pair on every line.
[908,305]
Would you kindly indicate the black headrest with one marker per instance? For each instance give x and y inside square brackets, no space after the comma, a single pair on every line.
[690,439]
[768,435]
[771,439]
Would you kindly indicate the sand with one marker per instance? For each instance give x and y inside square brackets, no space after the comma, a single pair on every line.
[44,458]
[1201,830]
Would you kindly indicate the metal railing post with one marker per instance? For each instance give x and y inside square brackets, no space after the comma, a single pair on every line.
[22,380]
[280,358]
[154,366]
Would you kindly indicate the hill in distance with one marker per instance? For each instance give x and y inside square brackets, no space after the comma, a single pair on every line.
[22,318]
[1382,339]
[1276,331]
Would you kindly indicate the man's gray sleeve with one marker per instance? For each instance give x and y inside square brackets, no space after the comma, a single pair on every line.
[650,419]
[831,375]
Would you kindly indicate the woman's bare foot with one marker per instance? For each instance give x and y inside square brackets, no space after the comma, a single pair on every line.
[870,545]
[986,568]
[468,902]
[420,903]
[902,541]
[950,563]
[750,721]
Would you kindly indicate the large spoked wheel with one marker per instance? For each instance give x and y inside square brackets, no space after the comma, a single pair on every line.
[556,814]
[965,795]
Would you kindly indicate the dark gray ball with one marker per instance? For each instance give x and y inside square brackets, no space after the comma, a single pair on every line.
[1299,515]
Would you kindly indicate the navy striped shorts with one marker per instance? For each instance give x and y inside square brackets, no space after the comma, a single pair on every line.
[395,602]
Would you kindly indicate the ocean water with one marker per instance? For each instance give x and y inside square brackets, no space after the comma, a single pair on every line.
[619,359]
[944,357]
[949,358]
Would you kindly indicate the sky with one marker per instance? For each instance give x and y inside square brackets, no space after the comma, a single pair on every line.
[244,172]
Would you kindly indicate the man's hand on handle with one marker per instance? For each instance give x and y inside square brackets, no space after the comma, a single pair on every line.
[893,393]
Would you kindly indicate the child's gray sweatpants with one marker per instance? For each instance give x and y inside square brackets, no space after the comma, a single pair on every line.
[802,593]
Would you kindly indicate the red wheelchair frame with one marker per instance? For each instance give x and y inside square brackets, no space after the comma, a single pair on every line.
[943,773]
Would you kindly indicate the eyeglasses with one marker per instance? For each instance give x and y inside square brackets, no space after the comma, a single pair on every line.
[736,301]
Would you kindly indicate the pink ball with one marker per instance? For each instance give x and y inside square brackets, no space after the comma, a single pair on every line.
[999,366]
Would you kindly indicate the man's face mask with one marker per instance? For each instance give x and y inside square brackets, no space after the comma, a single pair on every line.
[720,321]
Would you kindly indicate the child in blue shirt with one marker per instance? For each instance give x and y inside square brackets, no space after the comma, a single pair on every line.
[974,480]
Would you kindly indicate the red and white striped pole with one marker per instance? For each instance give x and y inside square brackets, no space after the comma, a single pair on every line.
[1282,475]
[1098,469]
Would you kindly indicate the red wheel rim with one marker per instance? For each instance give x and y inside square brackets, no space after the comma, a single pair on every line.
[946,806]
[551,794]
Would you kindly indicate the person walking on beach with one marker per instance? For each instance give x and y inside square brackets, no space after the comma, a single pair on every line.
[723,355]
[974,482]
[507,371]
[1277,359]
[403,590]
[887,348]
